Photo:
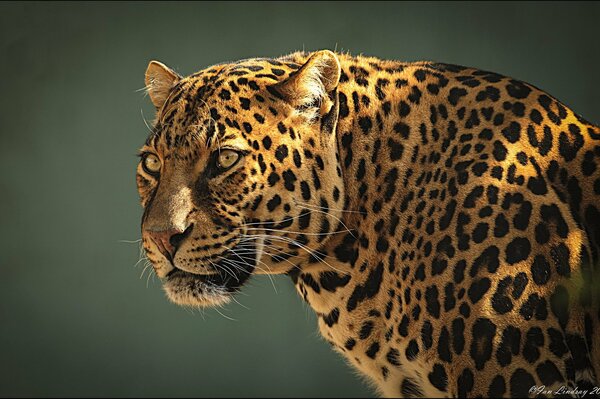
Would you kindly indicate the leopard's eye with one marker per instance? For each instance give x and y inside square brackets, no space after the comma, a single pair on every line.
[151,164]
[227,158]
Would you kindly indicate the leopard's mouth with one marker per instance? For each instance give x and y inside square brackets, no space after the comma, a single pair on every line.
[231,272]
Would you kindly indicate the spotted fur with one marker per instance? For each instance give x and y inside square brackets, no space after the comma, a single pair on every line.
[442,221]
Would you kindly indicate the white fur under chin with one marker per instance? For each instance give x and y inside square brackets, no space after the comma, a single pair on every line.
[197,295]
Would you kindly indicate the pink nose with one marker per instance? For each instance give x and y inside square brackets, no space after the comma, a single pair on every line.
[168,241]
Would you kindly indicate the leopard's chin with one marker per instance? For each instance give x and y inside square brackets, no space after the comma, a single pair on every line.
[192,290]
[215,289]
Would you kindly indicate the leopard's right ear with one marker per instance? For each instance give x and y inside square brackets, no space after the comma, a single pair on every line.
[160,79]
[309,88]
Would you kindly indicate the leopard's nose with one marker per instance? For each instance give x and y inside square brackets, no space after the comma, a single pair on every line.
[168,241]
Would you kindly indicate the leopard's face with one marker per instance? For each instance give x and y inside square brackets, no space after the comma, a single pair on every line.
[240,174]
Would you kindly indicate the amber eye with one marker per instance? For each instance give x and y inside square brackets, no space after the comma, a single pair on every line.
[151,164]
[227,158]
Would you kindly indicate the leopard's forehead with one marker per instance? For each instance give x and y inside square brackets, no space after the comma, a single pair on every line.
[218,102]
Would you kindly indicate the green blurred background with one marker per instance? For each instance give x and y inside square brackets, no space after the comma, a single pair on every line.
[76,318]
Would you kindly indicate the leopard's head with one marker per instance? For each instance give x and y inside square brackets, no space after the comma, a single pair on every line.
[241,173]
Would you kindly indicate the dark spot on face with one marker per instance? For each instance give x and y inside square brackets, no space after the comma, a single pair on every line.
[297,159]
[274,202]
[245,103]
[281,127]
[289,179]
[259,118]
[273,179]
[305,190]
[267,142]
[281,153]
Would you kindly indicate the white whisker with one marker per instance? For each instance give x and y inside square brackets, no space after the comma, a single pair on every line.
[333,216]
[227,317]
[305,204]
[131,241]
[311,252]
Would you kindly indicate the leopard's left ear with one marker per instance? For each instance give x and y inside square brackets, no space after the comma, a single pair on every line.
[160,79]
[309,89]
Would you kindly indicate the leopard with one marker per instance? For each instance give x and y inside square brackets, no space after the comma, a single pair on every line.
[441,221]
